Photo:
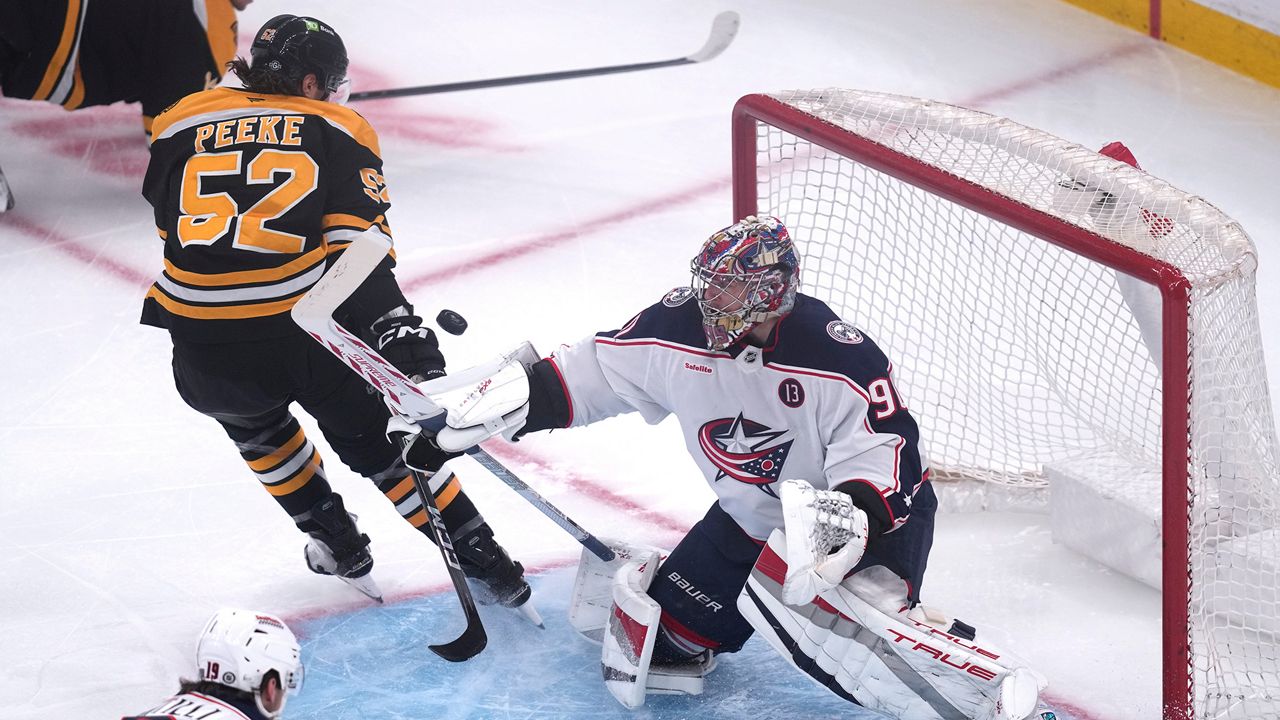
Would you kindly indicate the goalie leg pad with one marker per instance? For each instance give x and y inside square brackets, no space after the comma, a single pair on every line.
[858,641]
[629,635]
[592,599]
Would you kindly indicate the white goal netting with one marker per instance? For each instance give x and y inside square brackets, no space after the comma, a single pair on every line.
[1043,304]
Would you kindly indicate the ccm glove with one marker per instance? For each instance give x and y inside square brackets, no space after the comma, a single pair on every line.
[412,348]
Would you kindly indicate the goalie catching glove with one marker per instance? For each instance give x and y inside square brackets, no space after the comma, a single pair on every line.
[826,537]
[481,402]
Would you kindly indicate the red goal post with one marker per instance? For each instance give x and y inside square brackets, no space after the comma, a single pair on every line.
[934,226]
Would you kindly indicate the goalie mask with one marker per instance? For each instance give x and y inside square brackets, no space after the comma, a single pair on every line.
[744,275]
[238,648]
[291,46]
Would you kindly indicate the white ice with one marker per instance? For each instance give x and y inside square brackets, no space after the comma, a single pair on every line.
[126,518]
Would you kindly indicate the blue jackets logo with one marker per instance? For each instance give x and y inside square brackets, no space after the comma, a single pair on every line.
[745,451]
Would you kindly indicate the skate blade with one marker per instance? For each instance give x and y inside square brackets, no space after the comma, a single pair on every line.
[531,613]
[365,585]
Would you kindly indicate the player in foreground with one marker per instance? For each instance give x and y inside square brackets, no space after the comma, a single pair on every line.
[247,663]
[256,192]
[824,522]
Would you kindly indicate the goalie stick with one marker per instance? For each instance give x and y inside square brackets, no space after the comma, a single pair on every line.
[314,314]
[723,29]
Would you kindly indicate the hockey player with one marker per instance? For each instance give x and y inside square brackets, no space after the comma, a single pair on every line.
[256,191]
[248,664]
[78,53]
[768,384]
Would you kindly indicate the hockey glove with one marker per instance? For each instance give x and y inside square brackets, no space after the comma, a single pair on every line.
[826,536]
[423,453]
[410,347]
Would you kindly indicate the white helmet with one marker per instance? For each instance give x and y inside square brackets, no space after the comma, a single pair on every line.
[239,647]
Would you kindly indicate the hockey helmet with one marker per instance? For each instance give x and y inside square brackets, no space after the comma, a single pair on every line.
[293,46]
[238,648]
[744,275]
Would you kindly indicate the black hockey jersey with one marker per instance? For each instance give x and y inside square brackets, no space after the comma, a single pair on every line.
[78,53]
[253,196]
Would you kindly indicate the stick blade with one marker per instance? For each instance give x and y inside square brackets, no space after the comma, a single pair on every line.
[723,30]
[472,641]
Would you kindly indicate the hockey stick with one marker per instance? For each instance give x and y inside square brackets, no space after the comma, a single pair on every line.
[723,29]
[473,639]
[314,314]
[589,541]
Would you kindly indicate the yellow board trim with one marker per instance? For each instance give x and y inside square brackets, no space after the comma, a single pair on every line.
[1225,40]
[1135,14]
[1200,30]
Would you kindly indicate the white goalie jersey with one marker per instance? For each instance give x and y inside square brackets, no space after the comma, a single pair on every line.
[817,403]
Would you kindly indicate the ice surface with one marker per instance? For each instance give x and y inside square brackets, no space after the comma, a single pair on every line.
[544,212]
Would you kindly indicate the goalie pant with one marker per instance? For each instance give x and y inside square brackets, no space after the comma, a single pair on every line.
[78,53]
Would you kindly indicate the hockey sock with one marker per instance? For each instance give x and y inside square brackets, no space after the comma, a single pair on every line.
[288,466]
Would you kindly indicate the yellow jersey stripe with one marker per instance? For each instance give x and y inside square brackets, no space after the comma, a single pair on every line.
[77,90]
[267,462]
[223,312]
[220,30]
[60,55]
[244,277]
[224,103]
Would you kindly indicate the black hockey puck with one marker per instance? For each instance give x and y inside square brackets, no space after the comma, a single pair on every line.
[451,322]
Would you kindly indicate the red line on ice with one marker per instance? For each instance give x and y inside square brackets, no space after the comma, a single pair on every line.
[555,238]
[588,486]
[68,246]
[1056,74]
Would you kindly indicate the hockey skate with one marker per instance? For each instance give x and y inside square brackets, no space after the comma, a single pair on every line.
[340,549]
[495,577]
[6,195]
[680,678]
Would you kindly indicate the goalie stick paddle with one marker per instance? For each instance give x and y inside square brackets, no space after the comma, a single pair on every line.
[723,29]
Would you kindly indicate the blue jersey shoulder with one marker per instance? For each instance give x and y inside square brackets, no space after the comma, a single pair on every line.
[813,336]
[675,318]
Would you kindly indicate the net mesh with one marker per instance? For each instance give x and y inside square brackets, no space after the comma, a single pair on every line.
[1016,353]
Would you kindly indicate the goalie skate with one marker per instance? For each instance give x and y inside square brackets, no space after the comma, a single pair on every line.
[321,561]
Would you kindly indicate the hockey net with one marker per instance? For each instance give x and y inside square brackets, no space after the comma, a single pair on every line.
[1057,318]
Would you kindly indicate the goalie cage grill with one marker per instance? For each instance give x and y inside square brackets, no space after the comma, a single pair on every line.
[1032,330]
